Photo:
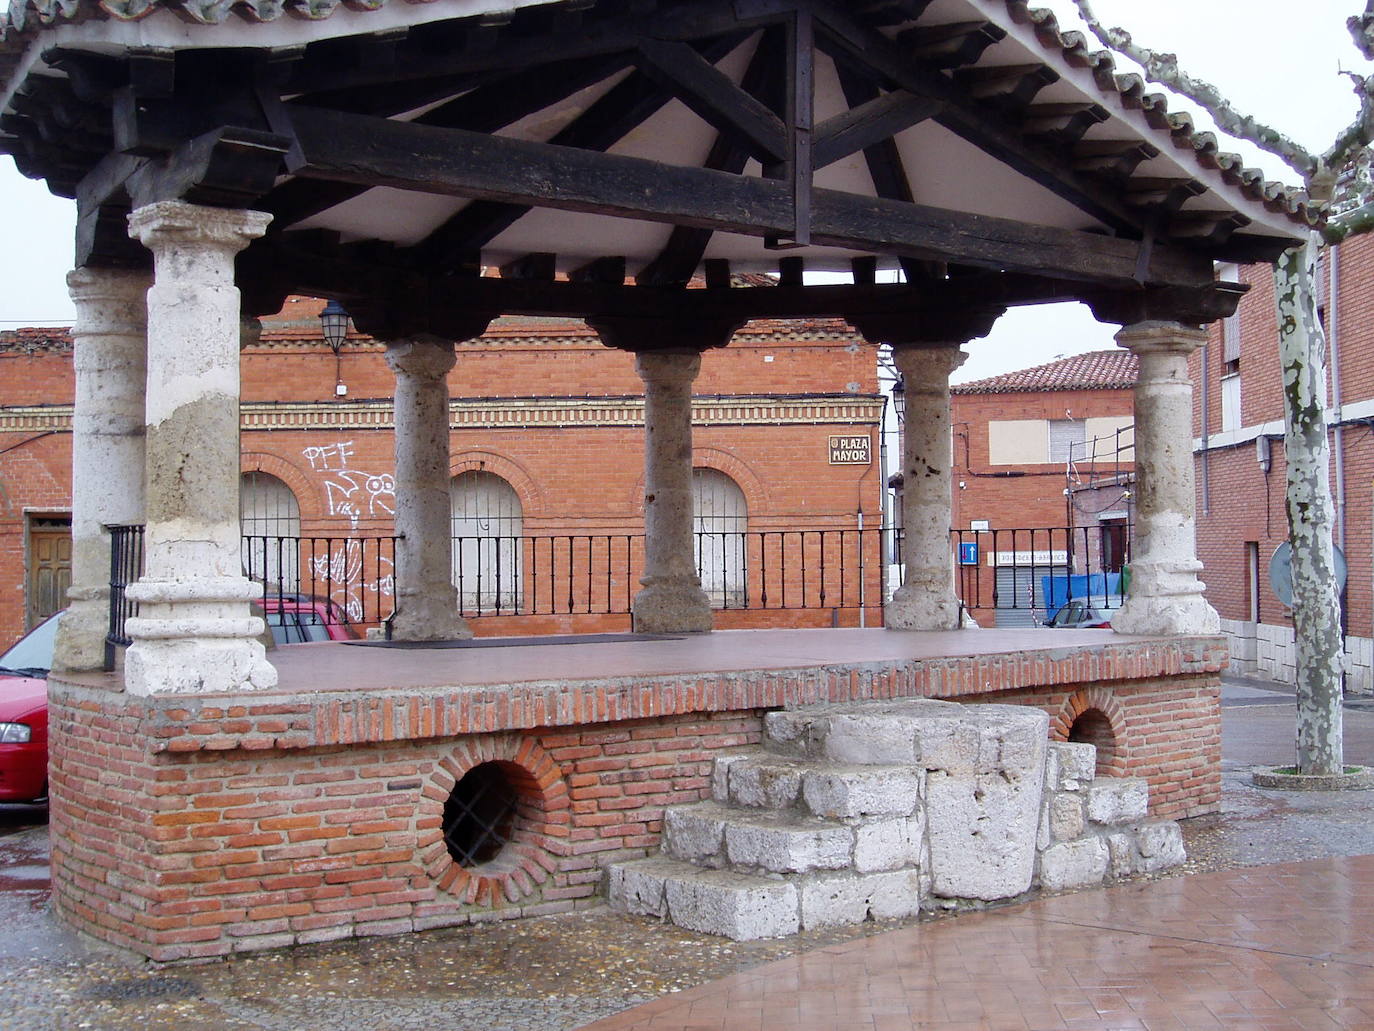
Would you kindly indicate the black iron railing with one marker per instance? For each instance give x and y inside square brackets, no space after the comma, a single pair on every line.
[126,565]
[1025,575]
[1021,574]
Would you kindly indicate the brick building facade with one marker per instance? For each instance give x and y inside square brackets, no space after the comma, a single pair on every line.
[565,469]
[1043,469]
[1238,426]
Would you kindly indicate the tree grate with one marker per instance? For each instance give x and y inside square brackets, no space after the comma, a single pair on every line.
[479,816]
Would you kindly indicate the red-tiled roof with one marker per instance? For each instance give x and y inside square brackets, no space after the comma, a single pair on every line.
[32,339]
[1096,370]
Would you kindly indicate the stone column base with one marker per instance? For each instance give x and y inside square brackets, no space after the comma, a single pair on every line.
[670,607]
[920,608]
[80,641]
[1166,599]
[420,617]
[195,637]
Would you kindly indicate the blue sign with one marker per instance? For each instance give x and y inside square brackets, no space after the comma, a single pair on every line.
[968,553]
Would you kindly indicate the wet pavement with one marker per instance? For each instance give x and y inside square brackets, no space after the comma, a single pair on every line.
[563,972]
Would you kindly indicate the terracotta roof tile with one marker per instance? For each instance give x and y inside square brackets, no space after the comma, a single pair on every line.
[1096,370]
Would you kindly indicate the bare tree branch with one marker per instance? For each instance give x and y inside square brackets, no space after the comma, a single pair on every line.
[1164,69]
[1361,28]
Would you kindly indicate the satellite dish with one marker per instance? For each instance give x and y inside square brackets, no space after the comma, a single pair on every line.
[1281,571]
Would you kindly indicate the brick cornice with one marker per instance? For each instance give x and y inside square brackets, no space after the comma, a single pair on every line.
[514,413]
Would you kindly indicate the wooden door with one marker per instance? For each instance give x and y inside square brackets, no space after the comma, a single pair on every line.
[50,569]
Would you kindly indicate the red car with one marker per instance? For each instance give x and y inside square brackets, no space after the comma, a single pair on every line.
[293,618]
[24,715]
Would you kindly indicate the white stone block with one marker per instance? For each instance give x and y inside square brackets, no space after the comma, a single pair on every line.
[720,776]
[1070,765]
[786,731]
[1066,816]
[1124,857]
[1073,864]
[839,793]
[1160,843]
[1115,801]
[832,900]
[981,831]
[695,832]
[638,888]
[888,844]
[766,783]
[788,846]
[870,739]
[733,905]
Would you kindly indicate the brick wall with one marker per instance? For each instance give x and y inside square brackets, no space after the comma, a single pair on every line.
[570,478]
[198,826]
[1239,503]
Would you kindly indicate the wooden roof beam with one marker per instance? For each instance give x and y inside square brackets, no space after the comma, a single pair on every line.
[380,152]
[981,124]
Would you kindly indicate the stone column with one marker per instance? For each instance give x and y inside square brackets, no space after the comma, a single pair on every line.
[672,600]
[1165,595]
[109,356]
[926,600]
[426,600]
[194,631]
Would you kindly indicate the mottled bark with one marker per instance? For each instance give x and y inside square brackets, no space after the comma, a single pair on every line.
[1316,601]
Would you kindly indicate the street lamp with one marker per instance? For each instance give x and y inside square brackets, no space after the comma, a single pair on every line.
[899,399]
[334,324]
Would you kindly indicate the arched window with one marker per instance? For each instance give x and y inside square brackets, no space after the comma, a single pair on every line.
[270,519]
[487,524]
[720,517]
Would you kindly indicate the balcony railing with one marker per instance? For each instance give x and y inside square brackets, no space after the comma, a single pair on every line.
[1021,575]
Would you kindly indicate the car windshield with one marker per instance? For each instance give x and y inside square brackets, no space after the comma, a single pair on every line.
[33,651]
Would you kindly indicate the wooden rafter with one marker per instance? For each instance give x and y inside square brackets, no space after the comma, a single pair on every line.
[871,53]
[453,162]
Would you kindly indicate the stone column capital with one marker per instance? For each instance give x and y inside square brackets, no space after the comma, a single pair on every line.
[103,285]
[172,224]
[668,369]
[926,368]
[423,357]
[1156,337]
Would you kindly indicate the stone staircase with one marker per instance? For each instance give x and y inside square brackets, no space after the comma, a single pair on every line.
[878,810]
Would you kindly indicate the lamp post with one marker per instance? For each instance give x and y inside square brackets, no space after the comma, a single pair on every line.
[334,324]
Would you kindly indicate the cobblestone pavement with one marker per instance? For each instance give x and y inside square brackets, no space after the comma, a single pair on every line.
[558,972]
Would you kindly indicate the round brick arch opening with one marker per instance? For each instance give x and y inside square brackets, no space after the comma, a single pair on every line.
[492,816]
[1094,717]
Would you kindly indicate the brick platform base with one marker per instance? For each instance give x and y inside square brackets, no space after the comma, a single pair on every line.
[191,827]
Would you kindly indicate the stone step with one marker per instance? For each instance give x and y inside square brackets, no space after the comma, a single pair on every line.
[772,841]
[746,906]
[987,738]
[1118,801]
[836,791]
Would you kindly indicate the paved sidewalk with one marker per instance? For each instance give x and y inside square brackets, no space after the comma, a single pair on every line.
[1277,947]
[1228,944]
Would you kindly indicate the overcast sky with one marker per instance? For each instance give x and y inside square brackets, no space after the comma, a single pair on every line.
[1281,66]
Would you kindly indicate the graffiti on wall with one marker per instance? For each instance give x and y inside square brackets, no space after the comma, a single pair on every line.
[351,572]
[354,568]
[353,493]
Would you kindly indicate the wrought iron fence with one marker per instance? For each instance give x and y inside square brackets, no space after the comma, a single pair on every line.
[1021,575]
[1025,575]
[558,574]
[126,565]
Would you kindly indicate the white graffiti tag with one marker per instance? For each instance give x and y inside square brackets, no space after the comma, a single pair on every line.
[351,492]
[351,574]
